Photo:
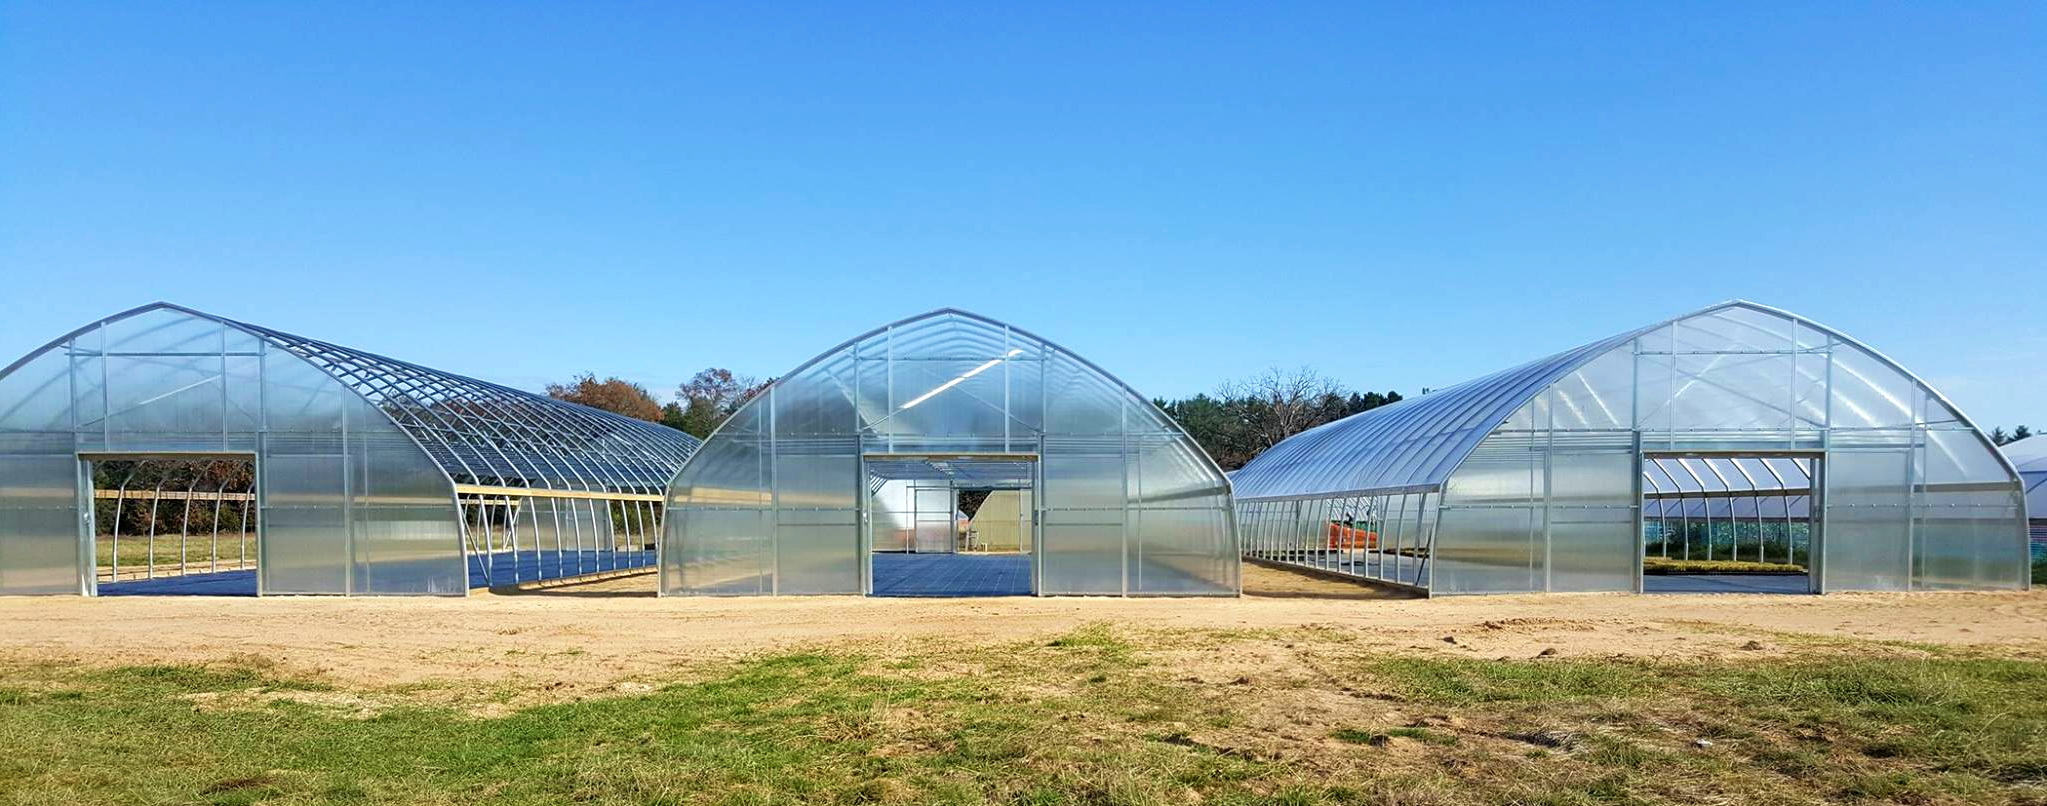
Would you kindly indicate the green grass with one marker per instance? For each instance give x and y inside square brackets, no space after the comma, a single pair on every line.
[1096,716]
[199,551]
[1673,565]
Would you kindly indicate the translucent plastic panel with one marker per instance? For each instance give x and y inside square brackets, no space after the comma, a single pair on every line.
[156,395]
[825,480]
[1598,395]
[1969,541]
[1960,457]
[1591,521]
[893,516]
[1163,562]
[1730,393]
[1867,532]
[820,557]
[37,395]
[718,551]
[1082,553]
[406,533]
[1867,393]
[1730,330]
[305,524]
[39,525]
[932,522]
[163,331]
[1487,550]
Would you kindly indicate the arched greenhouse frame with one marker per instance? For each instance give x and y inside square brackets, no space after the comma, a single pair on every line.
[1536,478]
[850,465]
[370,475]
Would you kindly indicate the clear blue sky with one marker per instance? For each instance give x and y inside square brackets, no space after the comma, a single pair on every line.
[1398,195]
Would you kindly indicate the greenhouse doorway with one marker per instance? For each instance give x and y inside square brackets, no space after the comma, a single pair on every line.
[950,525]
[171,524]
[1730,523]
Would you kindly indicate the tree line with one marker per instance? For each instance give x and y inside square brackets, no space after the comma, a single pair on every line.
[1244,418]
[697,407]
[1237,422]
[1999,437]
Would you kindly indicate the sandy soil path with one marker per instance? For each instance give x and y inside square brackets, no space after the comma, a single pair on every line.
[593,636]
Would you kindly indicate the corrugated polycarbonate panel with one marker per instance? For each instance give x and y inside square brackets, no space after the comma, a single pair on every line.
[912,405]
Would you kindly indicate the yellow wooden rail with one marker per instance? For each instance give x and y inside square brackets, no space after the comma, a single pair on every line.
[524,492]
[174,495]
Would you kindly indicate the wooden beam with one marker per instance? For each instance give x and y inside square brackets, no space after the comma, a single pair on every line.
[174,495]
[526,492]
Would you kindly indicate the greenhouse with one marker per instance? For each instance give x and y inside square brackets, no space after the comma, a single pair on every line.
[1738,437]
[2029,455]
[845,476]
[165,450]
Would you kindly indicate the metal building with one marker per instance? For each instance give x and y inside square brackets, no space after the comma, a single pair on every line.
[370,475]
[845,471]
[1558,474]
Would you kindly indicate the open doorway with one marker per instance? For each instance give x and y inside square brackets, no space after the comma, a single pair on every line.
[951,525]
[1729,523]
[173,525]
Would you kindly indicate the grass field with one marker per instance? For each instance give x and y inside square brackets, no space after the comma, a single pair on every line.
[200,551]
[1674,565]
[1094,715]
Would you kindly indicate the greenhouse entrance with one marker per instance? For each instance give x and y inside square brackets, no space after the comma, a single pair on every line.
[950,525]
[172,524]
[1729,523]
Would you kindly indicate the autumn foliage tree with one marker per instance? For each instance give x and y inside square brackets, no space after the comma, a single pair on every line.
[614,395]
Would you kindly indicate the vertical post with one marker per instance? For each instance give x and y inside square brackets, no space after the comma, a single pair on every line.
[185,523]
[155,497]
[213,549]
[242,541]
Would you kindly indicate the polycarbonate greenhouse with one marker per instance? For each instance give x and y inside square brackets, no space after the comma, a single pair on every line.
[1769,437]
[2029,455]
[371,475]
[851,464]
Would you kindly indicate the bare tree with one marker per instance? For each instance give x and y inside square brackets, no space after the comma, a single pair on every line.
[1284,402]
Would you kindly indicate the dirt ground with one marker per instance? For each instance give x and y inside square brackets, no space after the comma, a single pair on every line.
[591,638]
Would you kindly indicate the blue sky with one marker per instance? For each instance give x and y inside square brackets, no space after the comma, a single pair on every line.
[1398,195]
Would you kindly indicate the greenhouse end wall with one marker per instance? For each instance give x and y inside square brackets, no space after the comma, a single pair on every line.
[777,501]
[348,503]
[1914,497]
